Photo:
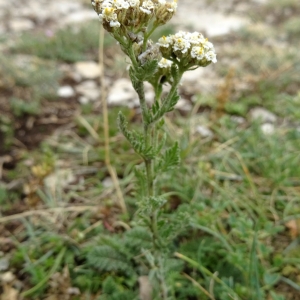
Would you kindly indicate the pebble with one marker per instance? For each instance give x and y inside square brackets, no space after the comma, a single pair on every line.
[122,94]
[18,25]
[204,131]
[263,115]
[183,105]
[7,277]
[4,264]
[107,182]
[88,69]
[89,90]
[65,91]
[268,129]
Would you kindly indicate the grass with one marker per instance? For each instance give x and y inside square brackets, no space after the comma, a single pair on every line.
[69,44]
[240,187]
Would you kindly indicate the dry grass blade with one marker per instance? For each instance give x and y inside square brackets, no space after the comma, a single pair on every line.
[111,170]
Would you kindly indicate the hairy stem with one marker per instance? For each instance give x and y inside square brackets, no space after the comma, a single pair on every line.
[150,138]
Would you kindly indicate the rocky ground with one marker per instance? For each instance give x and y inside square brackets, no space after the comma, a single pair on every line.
[257,47]
[217,20]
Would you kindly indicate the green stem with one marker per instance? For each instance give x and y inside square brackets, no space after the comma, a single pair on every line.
[166,102]
[146,37]
[149,136]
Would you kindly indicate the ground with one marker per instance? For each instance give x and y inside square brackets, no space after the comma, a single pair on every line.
[239,132]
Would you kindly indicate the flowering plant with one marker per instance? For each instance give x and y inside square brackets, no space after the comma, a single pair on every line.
[131,23]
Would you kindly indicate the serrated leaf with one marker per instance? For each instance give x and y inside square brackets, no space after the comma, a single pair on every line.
[147,70]
[135,139]
[170,159]
[109,285]
[139,236]
[173,102]
[107,258]
[155,107]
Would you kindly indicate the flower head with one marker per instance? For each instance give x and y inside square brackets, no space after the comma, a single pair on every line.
[190,49]
[165,63]
[147,7]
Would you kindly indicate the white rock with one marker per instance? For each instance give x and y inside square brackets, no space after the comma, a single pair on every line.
[61,178]
[268,128]
[88,69]
[262,114]
[66,91]
[89,90]
[83,100]
[183,105]
[4,264]
[122,93]
[80,17]
[204,131]
[238,120]
[7,277]
[18,25]
[212,22]
[201,80]
[66,7]
[107,182]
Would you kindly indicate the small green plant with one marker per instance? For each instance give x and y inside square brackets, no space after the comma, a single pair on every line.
[151,240]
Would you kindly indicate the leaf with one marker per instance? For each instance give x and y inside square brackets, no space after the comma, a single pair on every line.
[147,70]
[276,296]
[173,102]
[170,159]
[271,279]
[107,258]
[109,286]
[135,139]
[139,236]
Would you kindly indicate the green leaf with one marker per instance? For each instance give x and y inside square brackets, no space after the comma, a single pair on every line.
[136,140]
[170,159]
[173,102]
[107,258]
[140,237]
[109,286]
[146,71]
[271,279]
[275,296]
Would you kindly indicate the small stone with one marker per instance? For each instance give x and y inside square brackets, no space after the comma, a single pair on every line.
[107,182]
[66,91]
[238,120]
[267,128]
[123,94]
[73,291]
[88,69]
[18,25]
[183,105]
[89,90]
[61,178]
[83,100]
[80,17]
[202,80]
[204,131]
[4,264]
[262,114]
[7,277]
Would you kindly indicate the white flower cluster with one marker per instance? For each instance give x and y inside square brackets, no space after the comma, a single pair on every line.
[190,47]
[165,63]
[129,12]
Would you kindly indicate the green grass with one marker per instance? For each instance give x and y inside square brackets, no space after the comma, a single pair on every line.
[233,191]
[239,188]
[70,44]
